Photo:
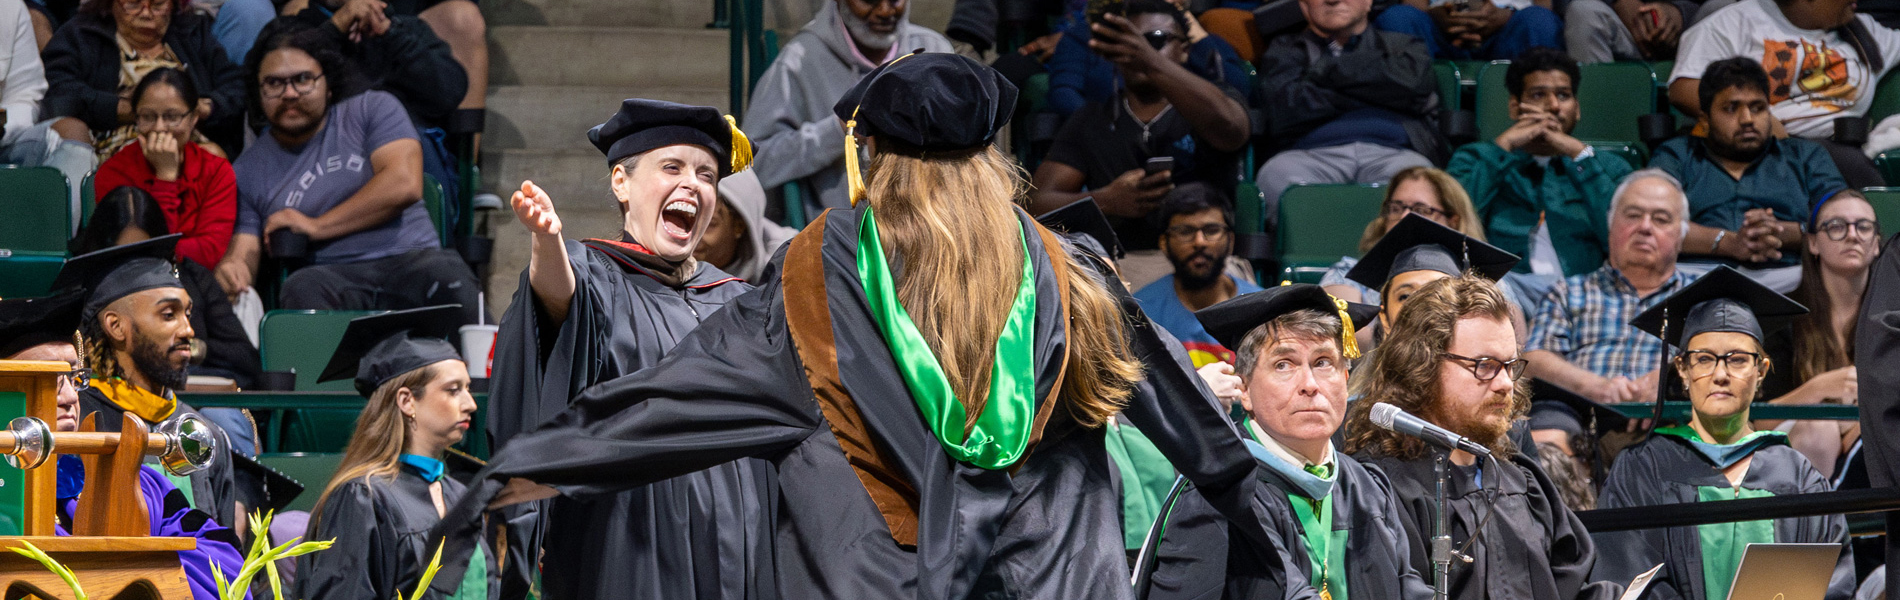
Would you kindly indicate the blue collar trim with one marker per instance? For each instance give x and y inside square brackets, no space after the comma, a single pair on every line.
[428,468]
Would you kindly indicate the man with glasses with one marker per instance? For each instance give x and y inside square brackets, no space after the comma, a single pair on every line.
[341,169]
[1452,359]
[1197,238]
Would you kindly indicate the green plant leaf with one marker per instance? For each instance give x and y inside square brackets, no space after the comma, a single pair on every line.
[65,574]
[428,575]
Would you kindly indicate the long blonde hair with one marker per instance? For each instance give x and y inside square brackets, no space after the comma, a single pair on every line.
[1450,194]
[950,224]
[382,432]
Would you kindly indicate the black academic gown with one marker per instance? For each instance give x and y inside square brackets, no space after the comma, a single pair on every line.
[1877,345]
[214,489]
[1666,470]
[737,388]
[695,536]
[381,526]
[1194,560]
[1533,548]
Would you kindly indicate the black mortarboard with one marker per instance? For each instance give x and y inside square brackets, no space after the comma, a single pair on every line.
[1083,223]
[1722,300]
[120,271]
[929,102]
[378,348]
[643,125]
[271,490]
[1230,321]
[29,322]
[1421,244]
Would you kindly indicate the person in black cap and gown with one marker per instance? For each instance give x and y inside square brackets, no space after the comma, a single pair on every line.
[1716,324]
[1336,518]
[1876,344]
[591,310]
[928,374]
[1418,251]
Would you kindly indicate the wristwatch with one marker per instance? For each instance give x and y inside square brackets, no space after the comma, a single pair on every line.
[1719,234]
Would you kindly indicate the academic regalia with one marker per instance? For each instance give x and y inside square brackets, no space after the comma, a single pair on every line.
[1876,342]
[1675,465]
[1421,244]
[29,322]
[871,504]
[171,515]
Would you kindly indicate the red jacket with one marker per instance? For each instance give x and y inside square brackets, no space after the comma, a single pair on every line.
[202,203]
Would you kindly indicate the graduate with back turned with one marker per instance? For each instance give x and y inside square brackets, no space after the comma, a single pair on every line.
[1716,327]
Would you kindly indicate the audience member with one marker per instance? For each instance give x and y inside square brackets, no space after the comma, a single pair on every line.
[1749,192]
[236,23]
[1344,103]
[789,118]
[740,240]
[1580,338]
[1197,238]
[1600,31]
[1422,191]
[1078,75]
[459,23]
[1477,30]
[1541,193]
[96,59]
[341,167]
[195,187]
[25,140]
[1813,54]
[1815,365]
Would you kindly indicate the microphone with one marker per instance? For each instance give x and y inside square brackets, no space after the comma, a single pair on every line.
[1394,419]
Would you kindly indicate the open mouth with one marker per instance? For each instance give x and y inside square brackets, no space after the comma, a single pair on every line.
[678,217]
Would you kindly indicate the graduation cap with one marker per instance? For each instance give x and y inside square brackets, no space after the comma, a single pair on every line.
[113,273]
[378,348]
[1230,321]
[1083,223]
[643,125]
[29,322]
[1722,300]
[923,103]
[272,489]
[1421,244]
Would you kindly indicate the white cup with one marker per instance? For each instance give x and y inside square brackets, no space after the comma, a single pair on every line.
[478,349]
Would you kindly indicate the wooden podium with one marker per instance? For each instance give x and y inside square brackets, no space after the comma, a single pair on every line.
[111,552]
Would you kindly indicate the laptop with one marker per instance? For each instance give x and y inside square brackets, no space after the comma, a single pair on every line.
[1785,572]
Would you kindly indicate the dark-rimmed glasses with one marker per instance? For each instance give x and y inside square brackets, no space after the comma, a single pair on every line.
[1487,368]
[1701,363]
[1836,228]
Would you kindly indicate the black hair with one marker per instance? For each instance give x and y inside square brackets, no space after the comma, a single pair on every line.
[1739,72]
[1538,60]
[287,32]
[187,89]
[1192,198]
[1157,7]
[122,208]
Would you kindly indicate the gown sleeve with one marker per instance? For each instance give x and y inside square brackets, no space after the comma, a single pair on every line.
[1572,553]
[540,364]
[173,516]
[361,565]
[1633,482]
[1842,585]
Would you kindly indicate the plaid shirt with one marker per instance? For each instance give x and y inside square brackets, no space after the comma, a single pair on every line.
[1585,318]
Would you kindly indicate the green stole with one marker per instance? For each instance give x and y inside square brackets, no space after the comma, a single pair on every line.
[1724,543]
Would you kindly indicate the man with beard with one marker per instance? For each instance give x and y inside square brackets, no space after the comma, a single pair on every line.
[1197,237]
[789,117]
[1451,359]
[1749,191]
[343,168]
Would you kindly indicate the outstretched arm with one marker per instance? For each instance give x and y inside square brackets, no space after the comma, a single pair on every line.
[548,269]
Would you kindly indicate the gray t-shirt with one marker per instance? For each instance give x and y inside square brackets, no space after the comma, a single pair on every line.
[327,170]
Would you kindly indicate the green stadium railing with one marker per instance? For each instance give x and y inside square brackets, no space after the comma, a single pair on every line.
[1676,409]
[277,409]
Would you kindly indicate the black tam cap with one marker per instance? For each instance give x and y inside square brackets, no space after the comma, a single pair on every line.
[1421,244]
[1083,224]
[29,322]
[1722,300]
[929,102]
[378,348]
[113,273]
[643,125]
[1230,321]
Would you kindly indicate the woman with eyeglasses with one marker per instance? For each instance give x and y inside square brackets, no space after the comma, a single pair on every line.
[94,62]
[192,184]
[1717,454]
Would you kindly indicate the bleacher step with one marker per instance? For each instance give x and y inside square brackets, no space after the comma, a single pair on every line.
[558,117]
[684,14]
[607,56]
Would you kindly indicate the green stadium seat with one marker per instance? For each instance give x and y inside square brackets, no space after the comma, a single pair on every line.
[1886,201]
[432,199]
[1301,273]
[312,470]
[1320,223]
[1450,94]
[1630,152]
[302,341]
[28,274]
[1609,106]
[1886,99]
[87,199]
[39,212]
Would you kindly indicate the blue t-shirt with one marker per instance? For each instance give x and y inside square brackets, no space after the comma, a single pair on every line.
[327,170]
[1165,308]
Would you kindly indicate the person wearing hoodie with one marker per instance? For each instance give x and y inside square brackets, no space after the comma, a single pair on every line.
[790,120]
[740,240]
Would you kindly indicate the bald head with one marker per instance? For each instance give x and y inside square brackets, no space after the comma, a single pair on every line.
[1648,217]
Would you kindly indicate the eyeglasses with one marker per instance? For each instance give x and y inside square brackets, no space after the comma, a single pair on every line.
[1159,38]
[1487,368]
[1398,209]
[1701,363]
[80,379]
[134,6]
[273,86]
[162,119]
[1836,229]
[1186,232]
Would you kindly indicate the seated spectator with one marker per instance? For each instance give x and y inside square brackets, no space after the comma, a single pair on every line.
[1580,337]
[236,23]
[1749,192]
[372,245]
[1422,191]
[1600,31]
[1476,30]
[1815,365]
[1344,103]
[740,240]
[1813,56]
[1164,111]
[194,186]
[458,23]
[96,59]
[789,118]
[1197,239]
[1541,193]
[25,140]
[1077,75]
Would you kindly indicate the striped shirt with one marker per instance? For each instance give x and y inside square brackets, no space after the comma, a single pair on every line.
[1585,318]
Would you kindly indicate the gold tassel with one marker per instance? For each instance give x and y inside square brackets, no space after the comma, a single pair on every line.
[853,177]
[1348,343]
[741,146]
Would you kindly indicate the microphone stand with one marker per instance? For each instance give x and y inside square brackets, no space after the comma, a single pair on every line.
[1441,530]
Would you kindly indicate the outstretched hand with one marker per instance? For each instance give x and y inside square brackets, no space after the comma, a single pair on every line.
[535,210]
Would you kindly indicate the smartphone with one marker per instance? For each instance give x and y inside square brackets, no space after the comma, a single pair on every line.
[1159,164]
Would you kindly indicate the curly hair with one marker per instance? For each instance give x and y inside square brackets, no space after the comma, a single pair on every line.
[1405,370]
[342,80]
